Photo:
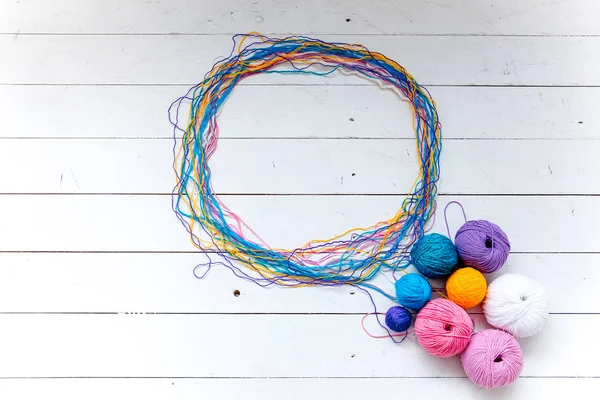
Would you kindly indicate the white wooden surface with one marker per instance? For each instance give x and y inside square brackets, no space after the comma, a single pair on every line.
[97,296]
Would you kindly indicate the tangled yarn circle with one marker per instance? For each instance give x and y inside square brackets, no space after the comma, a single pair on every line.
[352,257]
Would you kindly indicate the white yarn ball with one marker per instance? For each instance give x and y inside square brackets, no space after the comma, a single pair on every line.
[516,304]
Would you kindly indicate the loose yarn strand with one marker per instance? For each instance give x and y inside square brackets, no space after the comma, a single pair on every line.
[376,314]
[446,217]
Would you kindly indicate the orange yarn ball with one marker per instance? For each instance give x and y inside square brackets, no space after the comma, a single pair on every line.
[466,287]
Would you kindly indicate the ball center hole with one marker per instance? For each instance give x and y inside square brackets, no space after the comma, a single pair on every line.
[498,359]
[488,242]
[448,327]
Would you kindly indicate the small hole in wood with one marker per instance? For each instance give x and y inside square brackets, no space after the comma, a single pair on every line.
[351,119]
[236,293]
[347,19]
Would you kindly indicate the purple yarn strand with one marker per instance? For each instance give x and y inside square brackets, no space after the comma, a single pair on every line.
[446,217]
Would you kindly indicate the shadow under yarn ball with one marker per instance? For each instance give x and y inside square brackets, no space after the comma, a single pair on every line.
[482,245]
[434,256]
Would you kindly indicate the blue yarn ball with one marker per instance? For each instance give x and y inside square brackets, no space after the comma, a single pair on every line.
[398,319]
[434,256]
[413,291]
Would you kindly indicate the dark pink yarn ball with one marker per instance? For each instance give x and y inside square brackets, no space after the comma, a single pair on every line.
[443,328]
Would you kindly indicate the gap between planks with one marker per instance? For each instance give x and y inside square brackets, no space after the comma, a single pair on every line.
[311,34]
[450,139]
[288,377]
[425,84]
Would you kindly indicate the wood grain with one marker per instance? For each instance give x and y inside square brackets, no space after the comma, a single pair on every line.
[441,17]
[163,283]
[289,388]
[93,60]
[97,296]
[147,223]
[257,346]
[501,113]
[297,166]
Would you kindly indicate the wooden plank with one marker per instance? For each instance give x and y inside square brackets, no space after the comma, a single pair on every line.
[278,389]
[534,17]
[260,347]
[314,111]
[256,346]
[298,166]
[163,283]
[147,223]
[556,61]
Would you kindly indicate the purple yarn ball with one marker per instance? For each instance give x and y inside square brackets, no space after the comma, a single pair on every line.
[482,245]
[398,319]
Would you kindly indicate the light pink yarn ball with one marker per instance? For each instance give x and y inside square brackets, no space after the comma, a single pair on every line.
[492,359]
[443,328]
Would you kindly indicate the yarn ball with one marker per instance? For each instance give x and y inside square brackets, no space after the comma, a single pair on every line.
[516,304]
[482,245]
[443,328]
[413,291]
[466,287]
[492,359]
[434,256]
[398,319]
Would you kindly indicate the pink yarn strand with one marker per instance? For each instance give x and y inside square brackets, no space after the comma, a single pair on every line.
[362,323]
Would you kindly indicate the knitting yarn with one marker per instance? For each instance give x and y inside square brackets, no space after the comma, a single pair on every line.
[349,258]
[443,328]
[516,304]
[482,245]
[413,291]
[466,287]
[434,256]
[492,359]
[398,319]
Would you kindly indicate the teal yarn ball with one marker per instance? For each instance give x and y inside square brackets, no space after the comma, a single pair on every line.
[434,256]
[413,291]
